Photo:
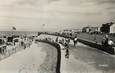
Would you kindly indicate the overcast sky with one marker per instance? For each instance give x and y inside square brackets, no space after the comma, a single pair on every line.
[55,14]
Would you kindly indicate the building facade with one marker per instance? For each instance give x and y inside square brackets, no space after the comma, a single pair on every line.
[112,28]
[90,29]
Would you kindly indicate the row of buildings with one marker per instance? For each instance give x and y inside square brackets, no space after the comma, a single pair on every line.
[106,28]
[112,28]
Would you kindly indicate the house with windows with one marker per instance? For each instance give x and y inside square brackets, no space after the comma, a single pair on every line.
[90,29]
[112,28]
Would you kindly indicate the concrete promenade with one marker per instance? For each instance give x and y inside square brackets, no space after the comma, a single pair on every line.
[85,59]
[39,58]
[42,58]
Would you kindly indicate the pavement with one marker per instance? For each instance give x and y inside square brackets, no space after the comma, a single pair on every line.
[72,65]
[39,58]
[85,59]
[82,59]
[23,62]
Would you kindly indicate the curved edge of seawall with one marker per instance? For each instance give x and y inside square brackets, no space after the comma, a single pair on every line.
[57,46]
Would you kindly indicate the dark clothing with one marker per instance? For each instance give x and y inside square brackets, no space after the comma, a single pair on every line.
[67,53]
[66,45]
[23,44]
[75,41]
[57,39]
[68,40]
[10,39]
[105,42]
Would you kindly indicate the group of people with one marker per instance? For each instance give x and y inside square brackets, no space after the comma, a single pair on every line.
[66,42]
[75,40]
[107,41]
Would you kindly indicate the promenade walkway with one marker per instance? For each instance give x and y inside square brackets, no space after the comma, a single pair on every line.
[39,58]
[85,59]
[73,65]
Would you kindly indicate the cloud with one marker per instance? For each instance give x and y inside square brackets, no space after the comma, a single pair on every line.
[50,1]
[54,12]
[106,1]
[35,2]
[25,2]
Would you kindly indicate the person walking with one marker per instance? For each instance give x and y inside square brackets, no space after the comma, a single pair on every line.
[105,40]
[67,53]
[56,39]
[75,40]
[66,43]
[68,40]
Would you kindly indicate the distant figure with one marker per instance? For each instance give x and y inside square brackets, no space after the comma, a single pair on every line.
[66,43]
[105,40]
[110,43]
[67,53]
[23,44]
[75,40]
[57,39]
[62,40]
[68,40]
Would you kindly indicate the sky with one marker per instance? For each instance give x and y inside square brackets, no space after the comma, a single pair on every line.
[54,15]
